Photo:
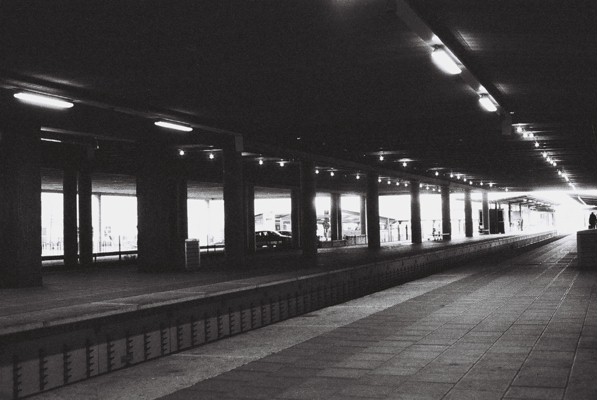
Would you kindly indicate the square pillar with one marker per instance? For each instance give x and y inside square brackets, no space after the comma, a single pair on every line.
[415,212]
[295,217]
[373,235]
[363,215]
[235,218]
[85,217]
[161,208]
[485,212]
[20,207]
[468,214]
[250,214]
[336,216]
[308,213]
[69,204]
[446,220]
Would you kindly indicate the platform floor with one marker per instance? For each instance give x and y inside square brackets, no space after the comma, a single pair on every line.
[519,328]
[66,294]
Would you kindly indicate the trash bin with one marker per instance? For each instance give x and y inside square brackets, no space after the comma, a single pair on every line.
[192,254]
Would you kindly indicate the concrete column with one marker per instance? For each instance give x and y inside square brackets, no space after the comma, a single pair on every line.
[363,215]
[69,203]
[85,218]
[308,212]
[446,220]
[161,208]
[468,214]
[336,216]
[20,207]
[373,235]
[250,201]
[415,212]
[295,217]
[485,212]
[235,230]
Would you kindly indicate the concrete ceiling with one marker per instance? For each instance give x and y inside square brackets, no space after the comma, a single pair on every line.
[350,80]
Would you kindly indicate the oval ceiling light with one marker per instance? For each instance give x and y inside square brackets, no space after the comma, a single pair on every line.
[43,100]
[487,103]
[444,61]
[173,125]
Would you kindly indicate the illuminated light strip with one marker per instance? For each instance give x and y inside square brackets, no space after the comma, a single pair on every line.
[173,125]
[43,101]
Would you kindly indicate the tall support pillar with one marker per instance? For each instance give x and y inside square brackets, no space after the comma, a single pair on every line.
[161,208]
[235,229]
[373,235]
[20,207]
[308,211]
[446,220]
[250,200]
[336,216]
[69,203]
[468,214]
[85,217]
[415,212]
[295,217]
[363,215]
[485,212]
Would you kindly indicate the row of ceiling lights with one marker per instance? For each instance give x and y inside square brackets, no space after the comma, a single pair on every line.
[332,173]
[57,103]
[549,159]
[447,62]
[440,56]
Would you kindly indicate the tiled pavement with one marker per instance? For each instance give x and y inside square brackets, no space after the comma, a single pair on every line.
[524,328]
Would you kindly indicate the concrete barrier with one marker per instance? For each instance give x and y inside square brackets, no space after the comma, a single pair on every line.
[586,245]
[65,349]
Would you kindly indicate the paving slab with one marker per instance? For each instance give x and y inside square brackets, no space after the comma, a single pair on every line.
[516,346]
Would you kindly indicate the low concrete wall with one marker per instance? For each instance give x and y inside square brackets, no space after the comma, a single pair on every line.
[586,245]
[73,349]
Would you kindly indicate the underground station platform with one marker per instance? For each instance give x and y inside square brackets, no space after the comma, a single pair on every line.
[489,317]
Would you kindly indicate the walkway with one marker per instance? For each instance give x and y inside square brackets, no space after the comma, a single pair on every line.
[68,293]
[522,328]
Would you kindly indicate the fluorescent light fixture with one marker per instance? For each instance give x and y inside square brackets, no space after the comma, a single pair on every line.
[51,140]
[173,125]
[536,144]
[358,176]
[389,181]
[282,163]
[316,171]
[397,183]
[405,184]
[211,156]
[332,173]
[444,61]
[260,162]
[381,157]
[436,173]
[378,180]
[404,163]
[43,100]
[181,152]
[487,103]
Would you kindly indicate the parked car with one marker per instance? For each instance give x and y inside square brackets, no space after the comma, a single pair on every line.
[271,239]
[285,233]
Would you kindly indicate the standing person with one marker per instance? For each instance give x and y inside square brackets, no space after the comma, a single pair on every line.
[592,220]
